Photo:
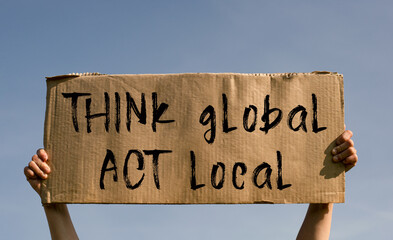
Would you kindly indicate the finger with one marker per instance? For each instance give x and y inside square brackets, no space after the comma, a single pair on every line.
[42,165]
[351,160]
[345,136]
[348,152]
[342,147]
[37,171]
[42,154]
[29,173]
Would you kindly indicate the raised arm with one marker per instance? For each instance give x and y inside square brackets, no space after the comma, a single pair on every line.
[316,224]
[59,219]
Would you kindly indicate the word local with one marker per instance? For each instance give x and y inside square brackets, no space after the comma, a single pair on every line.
[217,182]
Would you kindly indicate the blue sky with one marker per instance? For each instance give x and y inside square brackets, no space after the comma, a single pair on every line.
[46,38]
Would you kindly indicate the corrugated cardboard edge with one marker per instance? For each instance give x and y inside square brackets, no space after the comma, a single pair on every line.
[71,75]
[343,109]
[288,75]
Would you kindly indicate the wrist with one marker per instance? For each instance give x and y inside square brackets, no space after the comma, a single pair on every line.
[58,207]
[320,209]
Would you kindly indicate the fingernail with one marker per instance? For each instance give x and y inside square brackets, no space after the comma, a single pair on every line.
[334,151]
[335,158]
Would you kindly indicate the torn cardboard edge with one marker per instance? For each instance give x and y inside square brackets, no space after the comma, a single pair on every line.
[71,75]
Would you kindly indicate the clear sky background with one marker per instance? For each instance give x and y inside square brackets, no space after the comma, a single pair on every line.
[46,38]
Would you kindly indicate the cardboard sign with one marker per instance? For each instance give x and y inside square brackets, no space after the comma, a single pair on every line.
[194,138]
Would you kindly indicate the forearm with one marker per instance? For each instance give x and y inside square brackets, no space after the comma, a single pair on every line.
[316,224]
[59,222]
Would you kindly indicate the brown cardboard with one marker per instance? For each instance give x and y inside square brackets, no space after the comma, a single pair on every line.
[298,162]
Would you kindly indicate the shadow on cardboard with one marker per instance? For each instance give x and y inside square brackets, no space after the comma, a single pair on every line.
[331,169]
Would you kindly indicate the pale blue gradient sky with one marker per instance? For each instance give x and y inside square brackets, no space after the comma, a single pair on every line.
[45,38]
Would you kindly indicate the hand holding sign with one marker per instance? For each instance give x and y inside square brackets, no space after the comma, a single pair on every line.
[345,151]
[37,169]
